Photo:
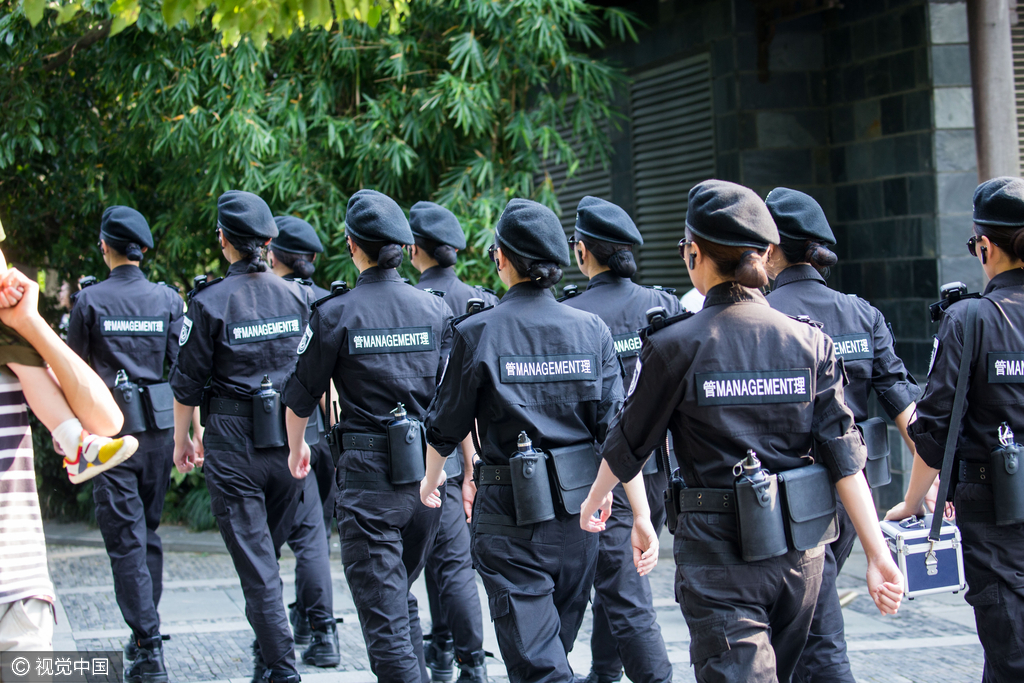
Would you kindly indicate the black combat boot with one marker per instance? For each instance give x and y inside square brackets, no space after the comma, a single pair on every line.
[131,650]
[259,667]
[148,666]
[473,670]
[323,647]
[440,656]
[300,625]
[280,677]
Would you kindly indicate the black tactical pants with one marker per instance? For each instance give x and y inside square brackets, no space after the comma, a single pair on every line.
[313,591]
[322,463]
[824,658]
[129,501]
[994,567]
[386,533]
[748,621]
[254,496]
[538,581]
[451,580]
[626,632]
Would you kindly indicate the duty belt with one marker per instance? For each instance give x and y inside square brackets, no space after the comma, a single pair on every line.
[493,475]
[354,441]
[229,406]
[707,500]
[975,473]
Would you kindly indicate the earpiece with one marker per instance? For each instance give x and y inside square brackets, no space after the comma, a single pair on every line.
[984,255]
[579,255]
[693,261]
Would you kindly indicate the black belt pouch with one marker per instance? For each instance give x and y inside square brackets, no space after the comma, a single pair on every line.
[809,502]
[575,469]
[159,402]
[876,437]
[128,398]
[1007,484]
[334,443]
[407,452]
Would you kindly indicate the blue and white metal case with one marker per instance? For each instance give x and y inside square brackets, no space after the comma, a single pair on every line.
[908,542]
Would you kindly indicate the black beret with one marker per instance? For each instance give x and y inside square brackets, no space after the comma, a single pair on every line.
[798,216]
[375,217]
[434,222]
[295,236]
[731,215]
[606,221]
[532,231]
[124,224]
[1000,202]
[246,215]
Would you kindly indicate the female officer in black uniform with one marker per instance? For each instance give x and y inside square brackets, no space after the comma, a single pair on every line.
[239,331]
[626,632]
[128,323]
[456,622]
[862,339]
[993,554]
[384,344]
[739,376]
[291,256]
[530,366]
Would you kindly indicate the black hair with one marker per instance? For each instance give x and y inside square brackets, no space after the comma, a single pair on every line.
[1010,240]
[131,250]
[251,249]
[742,263]
[385,254]
[444,254]
[301,264]
[813,252]
[618,257]
[542,274]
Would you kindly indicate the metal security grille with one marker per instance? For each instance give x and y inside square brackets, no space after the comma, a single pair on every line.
[1017,40]
[594,181]
[673,150]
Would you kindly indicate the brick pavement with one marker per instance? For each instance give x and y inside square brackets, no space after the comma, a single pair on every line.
[933,638]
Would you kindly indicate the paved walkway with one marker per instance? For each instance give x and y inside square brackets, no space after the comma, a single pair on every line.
[932,639]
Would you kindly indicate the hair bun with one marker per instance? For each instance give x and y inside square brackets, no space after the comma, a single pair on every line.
[751,271]
[622,263]
[390,256]
[820,256]
[1017,244]
[445,255]
[544,274]
[133,251]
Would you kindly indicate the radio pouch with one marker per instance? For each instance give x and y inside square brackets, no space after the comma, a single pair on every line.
[1007,483]
[809,501]
[531,488]
[268,420]
[575,469]
[876,437]
[407,451]
[128,398]
[159,402]
[334,443]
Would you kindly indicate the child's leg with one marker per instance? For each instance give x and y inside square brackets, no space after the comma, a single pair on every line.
[43,395]
[87,454]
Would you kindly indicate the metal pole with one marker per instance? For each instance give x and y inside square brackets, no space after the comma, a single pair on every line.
[995,106]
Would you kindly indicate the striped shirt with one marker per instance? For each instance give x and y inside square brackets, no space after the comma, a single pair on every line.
[23,571]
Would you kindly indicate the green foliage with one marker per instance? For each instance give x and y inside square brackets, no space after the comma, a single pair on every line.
[255,19]
[464,107]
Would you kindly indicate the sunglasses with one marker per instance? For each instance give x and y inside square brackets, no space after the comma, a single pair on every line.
[683,243]
[573,242]
[972,245]
[490,253]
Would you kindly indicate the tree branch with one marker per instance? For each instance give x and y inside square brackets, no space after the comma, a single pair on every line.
[58,59]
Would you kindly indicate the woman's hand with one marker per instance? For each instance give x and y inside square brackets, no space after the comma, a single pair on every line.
[885,584]
[430,492]
[590,506]
[645,542]
[298,461]
[185,456]
[468,496]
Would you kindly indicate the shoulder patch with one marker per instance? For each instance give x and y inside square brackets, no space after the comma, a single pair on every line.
[307,337]
[338,287]
[935,354]
[186,330]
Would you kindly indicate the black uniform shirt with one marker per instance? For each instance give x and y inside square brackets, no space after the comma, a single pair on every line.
[736,376]
[236,331]
[996,390]
[383,343]
[860,335]
[528,364]
[127,322]
[456,292]
[622,305]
